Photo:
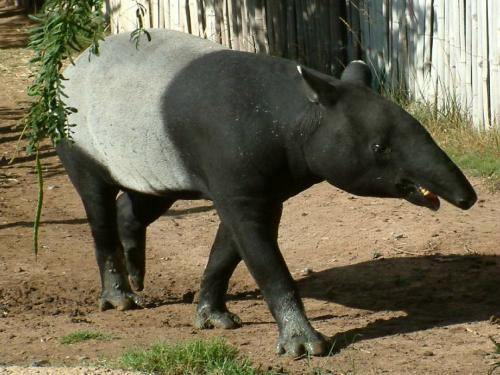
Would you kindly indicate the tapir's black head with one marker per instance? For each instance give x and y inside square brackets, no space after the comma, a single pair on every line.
[366,145]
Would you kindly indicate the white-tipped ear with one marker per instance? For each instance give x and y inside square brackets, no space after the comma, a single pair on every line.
[319,84]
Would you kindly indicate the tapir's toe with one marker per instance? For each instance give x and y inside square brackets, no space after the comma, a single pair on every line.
[207,319]
[136,282]
[120,301]
[296,346]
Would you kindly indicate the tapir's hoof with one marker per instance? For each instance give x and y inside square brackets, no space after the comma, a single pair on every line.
[297,346]
[207,319]
[121,302]
[136,282]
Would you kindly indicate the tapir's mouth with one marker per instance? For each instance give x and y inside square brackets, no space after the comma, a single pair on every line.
[419,195]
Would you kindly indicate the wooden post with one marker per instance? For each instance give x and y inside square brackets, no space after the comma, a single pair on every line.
[494,38]
[485,64]
[468,56]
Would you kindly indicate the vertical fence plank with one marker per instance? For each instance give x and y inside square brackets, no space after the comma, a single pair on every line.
[353,23]
[225,24]
[174,14]
[419,46]
[152,13]
[381,48]
[445,89]
[460,90]
[386,12]
[300,30]
[426,85]
[452,46]
[394,42]
[440,50]
[478,115]
[476,100]
[260,29]
[494,38]
[246,34]
[192,14]
[291,29]
[233,23]
[364,28]
[468,55]
[166,13]
[410,74]
[485,64]
[403,43]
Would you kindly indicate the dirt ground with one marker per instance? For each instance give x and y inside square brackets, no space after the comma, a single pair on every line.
[402,290]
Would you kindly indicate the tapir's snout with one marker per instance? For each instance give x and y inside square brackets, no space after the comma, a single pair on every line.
[466,200]
[435,176]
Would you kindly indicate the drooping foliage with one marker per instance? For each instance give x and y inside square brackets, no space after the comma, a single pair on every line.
[64,29]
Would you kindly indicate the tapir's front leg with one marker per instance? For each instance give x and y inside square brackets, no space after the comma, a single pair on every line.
[254,223]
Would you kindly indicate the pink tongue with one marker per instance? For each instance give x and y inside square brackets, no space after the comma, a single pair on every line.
[432,198]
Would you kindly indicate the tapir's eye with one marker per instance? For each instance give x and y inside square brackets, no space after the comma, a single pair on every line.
[380,149]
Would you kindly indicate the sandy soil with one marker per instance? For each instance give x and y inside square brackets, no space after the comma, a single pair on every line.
[402,290]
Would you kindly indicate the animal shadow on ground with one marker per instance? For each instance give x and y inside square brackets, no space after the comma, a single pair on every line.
[13,26]
[433,291]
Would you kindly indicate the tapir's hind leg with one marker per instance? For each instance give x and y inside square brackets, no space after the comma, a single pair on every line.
[135,212]
[224,257]
[99,199]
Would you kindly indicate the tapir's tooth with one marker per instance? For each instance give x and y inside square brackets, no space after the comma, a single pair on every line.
[424,191]
[427,193]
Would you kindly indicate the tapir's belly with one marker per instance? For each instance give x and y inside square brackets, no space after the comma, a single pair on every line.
[119,120]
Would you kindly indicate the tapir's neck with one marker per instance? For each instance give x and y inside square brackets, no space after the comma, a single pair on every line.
[297,134]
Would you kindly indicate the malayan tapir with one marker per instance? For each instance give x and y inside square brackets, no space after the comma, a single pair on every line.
[184,118]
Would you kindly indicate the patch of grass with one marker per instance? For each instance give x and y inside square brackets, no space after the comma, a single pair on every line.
[80,336]
[496,344]
[495,365]
[198,357]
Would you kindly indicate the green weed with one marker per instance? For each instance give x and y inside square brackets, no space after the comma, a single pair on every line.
[80,336]
[198,357]
[495,365]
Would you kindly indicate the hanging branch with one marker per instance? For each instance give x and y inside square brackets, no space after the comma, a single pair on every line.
[136,34]
[66,27]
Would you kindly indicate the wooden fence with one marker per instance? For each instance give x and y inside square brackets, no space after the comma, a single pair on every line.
[305,30]
[441,51]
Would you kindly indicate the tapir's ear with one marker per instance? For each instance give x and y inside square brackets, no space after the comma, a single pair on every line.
[358,72]
[321,86]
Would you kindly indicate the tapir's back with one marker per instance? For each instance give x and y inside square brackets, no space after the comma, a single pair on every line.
[118,96]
